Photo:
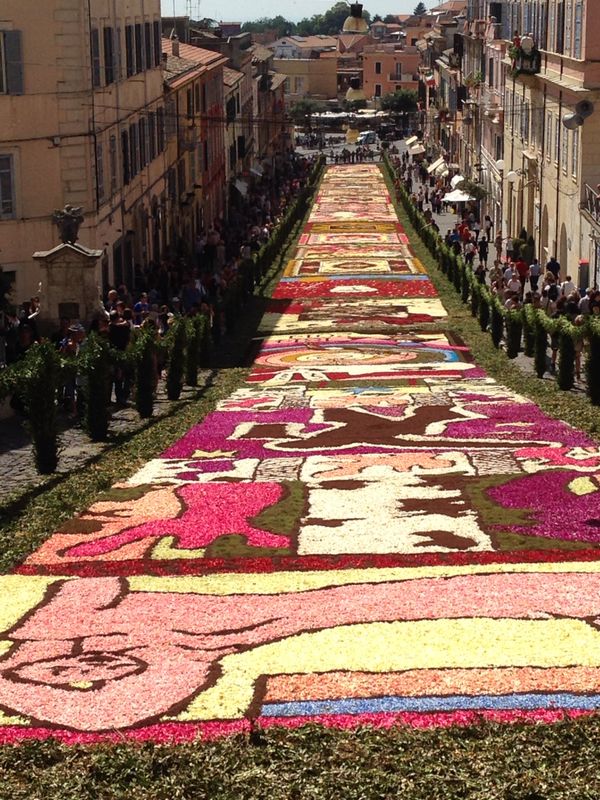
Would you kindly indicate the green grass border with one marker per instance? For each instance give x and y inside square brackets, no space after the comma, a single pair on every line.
[490,762]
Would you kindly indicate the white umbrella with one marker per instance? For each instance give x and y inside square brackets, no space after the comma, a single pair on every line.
[457,196]
[411,140]
[456,180]
[417,150]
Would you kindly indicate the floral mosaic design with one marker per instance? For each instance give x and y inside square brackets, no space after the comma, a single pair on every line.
[370,529]
[364,314]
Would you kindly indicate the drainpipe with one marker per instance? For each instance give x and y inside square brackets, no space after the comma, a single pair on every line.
[559,154]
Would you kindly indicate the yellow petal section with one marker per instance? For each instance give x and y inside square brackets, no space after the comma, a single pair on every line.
[398,646]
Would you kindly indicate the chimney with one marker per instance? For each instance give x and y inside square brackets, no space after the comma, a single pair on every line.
[175,45]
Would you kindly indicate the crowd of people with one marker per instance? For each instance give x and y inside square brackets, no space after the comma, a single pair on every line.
[514,278]
[195,279]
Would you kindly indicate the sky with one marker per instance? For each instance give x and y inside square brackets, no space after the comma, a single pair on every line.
[234,11]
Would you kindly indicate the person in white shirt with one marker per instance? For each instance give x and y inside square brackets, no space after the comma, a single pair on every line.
[567,286]
[514,284]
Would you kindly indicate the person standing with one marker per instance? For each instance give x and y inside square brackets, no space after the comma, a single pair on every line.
[554,267]
[534,274]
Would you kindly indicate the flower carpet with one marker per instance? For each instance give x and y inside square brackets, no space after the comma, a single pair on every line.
[369,530]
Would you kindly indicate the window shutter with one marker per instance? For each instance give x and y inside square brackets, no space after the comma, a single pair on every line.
[14,62]
[95,38]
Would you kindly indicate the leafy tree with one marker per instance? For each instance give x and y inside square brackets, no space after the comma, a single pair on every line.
[390,19]
[279,24]
[377,18]
[351,106]
[302,110]
[330,23]
[404,100]
[420,9]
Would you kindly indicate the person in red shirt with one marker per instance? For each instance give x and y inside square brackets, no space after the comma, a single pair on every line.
[523,271]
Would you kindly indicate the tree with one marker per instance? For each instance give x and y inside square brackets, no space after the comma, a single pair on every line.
[420,9]
[403,101]
[330,23]
[390,19]
[351,106]
[280,25]
[302,110]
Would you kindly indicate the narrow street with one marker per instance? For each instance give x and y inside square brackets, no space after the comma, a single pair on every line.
[369,529]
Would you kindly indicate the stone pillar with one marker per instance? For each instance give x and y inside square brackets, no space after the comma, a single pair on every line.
[69,283]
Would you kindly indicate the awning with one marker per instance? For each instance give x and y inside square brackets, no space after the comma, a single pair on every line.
[456,180]
[437,163]
[242,187]
[417,150]
[411,140]
[457,197]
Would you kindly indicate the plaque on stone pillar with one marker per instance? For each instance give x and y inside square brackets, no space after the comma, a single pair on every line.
[68,280]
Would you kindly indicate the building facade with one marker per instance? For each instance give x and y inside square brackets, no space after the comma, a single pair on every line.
[81,103]
[387,68]
[529,83]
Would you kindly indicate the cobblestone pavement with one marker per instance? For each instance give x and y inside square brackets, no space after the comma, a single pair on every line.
[17,467]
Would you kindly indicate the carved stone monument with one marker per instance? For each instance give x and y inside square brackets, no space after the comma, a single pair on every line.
[69,283]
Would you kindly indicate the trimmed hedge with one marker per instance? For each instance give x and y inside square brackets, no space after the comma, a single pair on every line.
[528,324]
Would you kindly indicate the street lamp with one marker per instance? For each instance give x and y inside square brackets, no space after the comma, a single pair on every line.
[354,22]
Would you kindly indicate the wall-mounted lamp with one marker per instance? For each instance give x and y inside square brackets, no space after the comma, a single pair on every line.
[575,119]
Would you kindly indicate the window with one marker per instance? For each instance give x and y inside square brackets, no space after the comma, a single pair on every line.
[11,63]
[171,117]
[181,177]
[241,146]
[377,90]
[568,26]
[577,28]
[134,149]
[113,164]
[560,27]
[160,129]
[564,156]
[139,51]
[557,140]
[118,60]
[129,51]
[172,183]
[548,143]
[95,46]
[99,173]
[143,137]
[7,188]
[378,68]
[491,72]
[125,157]
[190,103]
[575,154]
[109,56]
[151,136]
[157,43]
[148,44]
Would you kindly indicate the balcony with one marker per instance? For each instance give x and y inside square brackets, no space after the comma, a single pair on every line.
[591,203]
[405,77]
[525,58]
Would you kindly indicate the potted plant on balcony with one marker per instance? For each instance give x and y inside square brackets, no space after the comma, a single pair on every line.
[525,58]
